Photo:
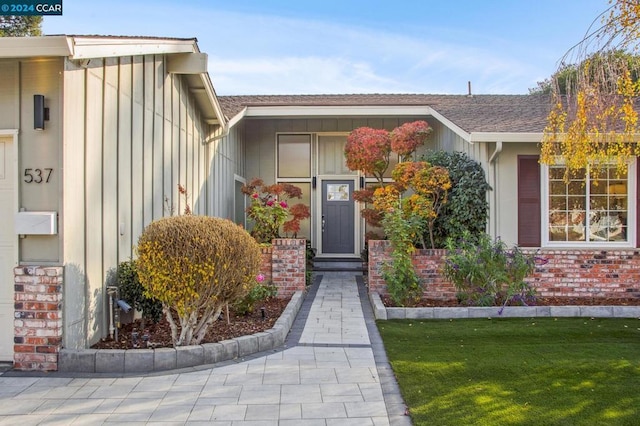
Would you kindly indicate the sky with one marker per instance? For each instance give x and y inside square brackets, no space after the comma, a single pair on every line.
[280,47]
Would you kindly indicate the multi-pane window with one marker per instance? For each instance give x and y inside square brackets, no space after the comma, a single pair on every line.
[592,207]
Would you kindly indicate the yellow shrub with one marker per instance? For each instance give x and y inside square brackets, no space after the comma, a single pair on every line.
[195,265]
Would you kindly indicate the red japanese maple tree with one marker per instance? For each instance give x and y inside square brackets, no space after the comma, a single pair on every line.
[369,150]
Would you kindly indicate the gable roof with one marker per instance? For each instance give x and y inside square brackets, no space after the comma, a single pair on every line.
[83,48]
[472,114]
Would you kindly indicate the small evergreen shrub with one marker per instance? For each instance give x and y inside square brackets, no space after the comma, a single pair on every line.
[466,208]
[257,293]
[487,272]
[195,265]
[133,292]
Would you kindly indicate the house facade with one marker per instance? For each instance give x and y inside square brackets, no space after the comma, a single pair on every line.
[300,139]
[97,133]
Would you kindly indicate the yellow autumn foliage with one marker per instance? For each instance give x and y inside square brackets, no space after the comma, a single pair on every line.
[602,128]
[195,265]
[594,121]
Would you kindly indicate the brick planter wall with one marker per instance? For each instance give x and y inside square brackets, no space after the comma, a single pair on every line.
[265,264]
[284,264]
[566,273]
[587,273]
[38,317]
[427,263]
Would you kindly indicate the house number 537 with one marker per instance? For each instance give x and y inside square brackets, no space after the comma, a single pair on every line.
[37,175]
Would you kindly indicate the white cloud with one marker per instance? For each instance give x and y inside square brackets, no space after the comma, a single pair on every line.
[296,75]
[261,54]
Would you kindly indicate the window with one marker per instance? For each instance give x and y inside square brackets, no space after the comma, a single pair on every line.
[592,209]
[294,156]
[294,167]
[239,203]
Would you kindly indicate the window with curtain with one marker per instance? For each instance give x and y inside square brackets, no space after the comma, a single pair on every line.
[592,208]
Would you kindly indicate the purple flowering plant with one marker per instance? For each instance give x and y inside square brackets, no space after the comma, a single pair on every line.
[487,272]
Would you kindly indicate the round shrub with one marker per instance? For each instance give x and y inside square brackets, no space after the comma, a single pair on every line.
[195,265]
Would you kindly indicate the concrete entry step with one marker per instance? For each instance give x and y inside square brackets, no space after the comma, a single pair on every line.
[337,264]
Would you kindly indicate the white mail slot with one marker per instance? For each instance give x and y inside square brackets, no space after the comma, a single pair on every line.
[36,223]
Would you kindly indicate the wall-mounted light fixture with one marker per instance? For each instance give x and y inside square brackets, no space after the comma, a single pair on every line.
[40,113]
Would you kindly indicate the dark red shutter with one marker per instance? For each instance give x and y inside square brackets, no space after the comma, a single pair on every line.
[529,217]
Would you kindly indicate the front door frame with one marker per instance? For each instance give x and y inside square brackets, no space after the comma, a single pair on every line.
[356,216]
[12,134]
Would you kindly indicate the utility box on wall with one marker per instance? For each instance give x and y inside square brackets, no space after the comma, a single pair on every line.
[36,223]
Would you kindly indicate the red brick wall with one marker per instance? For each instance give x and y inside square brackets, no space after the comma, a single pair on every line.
[568,273]
[38,317]
[587,273]
[284,264]
[265,264]
[427,264]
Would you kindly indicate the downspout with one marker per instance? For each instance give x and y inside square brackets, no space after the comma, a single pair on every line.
[494,172]
[496,153]
[224,133]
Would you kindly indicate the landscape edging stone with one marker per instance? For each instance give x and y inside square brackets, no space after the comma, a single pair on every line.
[120,361]
[383,313]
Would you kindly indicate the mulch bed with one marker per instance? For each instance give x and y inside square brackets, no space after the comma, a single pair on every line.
[159,335]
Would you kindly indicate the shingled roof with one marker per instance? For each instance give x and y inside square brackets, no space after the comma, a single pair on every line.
[477,113]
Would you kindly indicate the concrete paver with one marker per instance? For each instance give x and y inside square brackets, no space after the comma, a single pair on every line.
[333,375]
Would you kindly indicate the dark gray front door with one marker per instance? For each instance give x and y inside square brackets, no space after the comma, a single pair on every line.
[337,216]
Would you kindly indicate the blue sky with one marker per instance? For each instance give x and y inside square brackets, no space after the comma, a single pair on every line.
[354,46]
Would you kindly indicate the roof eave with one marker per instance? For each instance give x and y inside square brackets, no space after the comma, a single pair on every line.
[521,137]
[22,47]
[87,47]
[334,110]
[213,100]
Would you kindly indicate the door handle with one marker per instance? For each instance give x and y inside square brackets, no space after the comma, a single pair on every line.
[323,224]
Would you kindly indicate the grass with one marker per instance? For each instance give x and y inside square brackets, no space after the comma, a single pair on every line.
[542,371]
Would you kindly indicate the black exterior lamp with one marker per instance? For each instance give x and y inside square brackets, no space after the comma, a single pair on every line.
[40,113]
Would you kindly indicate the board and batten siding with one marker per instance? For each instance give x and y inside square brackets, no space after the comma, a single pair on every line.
[132,134]
[227,162]
[260,136]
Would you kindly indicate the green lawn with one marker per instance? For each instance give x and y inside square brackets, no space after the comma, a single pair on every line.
[540,371]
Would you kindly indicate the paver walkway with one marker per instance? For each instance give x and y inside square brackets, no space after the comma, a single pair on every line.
[336,374]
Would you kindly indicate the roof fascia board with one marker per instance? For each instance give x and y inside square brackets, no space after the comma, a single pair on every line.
[237,118]
[79,47]
[105,47]
[505,137]
[187,63]
[333,110]
[213,98]
[22,47]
